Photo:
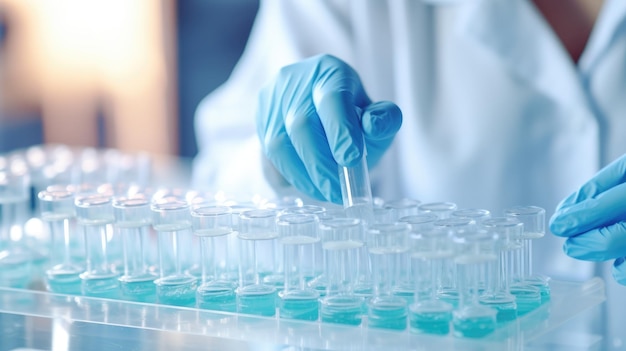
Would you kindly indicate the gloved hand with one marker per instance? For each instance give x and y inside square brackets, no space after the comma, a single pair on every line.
[593,219]
[315,115]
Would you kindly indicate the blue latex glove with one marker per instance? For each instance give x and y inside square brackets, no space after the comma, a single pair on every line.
[594,219]
[314,116]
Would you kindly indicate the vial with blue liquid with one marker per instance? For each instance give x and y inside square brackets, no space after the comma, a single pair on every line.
[171,219]
[257,242]
[94,214]
[58,212]
[213,225]
[132,223]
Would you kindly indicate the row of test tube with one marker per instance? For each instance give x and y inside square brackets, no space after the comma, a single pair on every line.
[426,265]
[430,268]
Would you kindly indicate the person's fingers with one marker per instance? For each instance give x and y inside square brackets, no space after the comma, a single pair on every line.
[601,211]
[283,155]
[619,270]
[278,148]
[341,123]
[308,138]
[605,179]
[338,96]
[598,244]
[380,122]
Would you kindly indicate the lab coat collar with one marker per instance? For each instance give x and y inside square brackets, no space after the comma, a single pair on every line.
[515,32]
[610,24]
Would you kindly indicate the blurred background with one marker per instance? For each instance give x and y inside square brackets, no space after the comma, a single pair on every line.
[114,73]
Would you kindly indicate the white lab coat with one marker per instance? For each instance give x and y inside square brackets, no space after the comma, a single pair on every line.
[496,113]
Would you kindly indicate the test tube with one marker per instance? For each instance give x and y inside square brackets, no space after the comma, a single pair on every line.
[441,209]
[257,236]
[388,250]
[474,252]
[383,215]
[171,219]
[406,288]
[451,228]
[132,222]
[57,211]
[478,215]
[15,257]
[429,252]
[315,275]
[356,190]
[94,214]
[342,240]
[534,219]
[498,293]
[213,224]
[403,207]
[298,237]
[232,265]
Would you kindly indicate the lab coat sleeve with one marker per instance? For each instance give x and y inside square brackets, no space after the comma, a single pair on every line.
[284,32]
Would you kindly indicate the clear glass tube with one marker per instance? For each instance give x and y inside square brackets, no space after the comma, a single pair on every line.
[257,241]
[356,190]
[342,240]
[383,215]
[213,224]
[534,219]
[57,211]
[500,290]
[429,250]
[132,223]
[171,219]
[406,288]
[94,214]
[474,252]
[478,215]
[387,245]
[15,257]
[440,209]
[298,238]
[449,228]
[316,279]
[232,265]
[403,207]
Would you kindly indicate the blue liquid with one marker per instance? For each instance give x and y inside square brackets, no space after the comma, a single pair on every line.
[474,321]
[15,272]
[365,292]
[406,295]
[318,284]
[257,299]
[430,323]
[64,283]
[104,287]
[139,291]
[217,298]
[503,303]
[387,313]
[342,310]
[302,308]
[527,298]
[474,327]
[544,289]
[430,317]
[506,313]
[449,296]
[177,291]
